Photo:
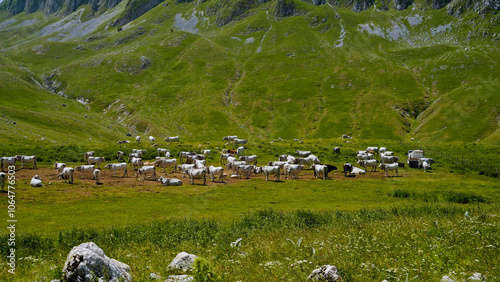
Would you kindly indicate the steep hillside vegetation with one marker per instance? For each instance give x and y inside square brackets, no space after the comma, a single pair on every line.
[259,69]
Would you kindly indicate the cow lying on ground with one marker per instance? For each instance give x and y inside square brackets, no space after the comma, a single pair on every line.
[169,181]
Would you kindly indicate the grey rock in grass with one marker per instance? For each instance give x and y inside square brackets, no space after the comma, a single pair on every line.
[447,279]
[154,276]
[180,278]
[183,261]
[327,273]
[477,277]
[87,261]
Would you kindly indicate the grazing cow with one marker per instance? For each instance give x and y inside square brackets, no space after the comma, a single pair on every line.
[323,169]
[88,154]
[249,159]
[150,169]
[185,169]
[215,170]
[365,156]
[291,160]
[223,157]
[200,163]
[116,167]
[234,165]
[183,154]
[304,161]
[387,153]
[303,154]
[138,139]
[123,141]
[7,161]
[293,170]
[347,169]
[196,173]
[161,151]
[278,163]
[3,177]
[422,160]
[27,159]
[336,150]
[229,138]
[132,155]
[382,149]
[231,159]
[84,168]
[207,153]
[136,162]
[314,159]
[97,175]
[426,166]
[36,181]
[191,159]
[59,166]
[152,139]
[240,141]
[164,162]
[345,136]
[270,170]
[368,163]
[283,158]
[240,151]
[374,149]
[172,139]
[140,153]
[388,159]
[66,174]
[169,181]
[96,160]
[244,169]
[389,167]
[119,155]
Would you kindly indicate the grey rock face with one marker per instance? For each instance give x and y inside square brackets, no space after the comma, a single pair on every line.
[87,261]
[402,4]
[285,8]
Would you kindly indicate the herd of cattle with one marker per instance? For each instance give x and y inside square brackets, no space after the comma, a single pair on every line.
[194,164]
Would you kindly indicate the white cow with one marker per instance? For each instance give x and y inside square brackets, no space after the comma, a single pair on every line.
[388,159]
[368,163]
[303,154]
[136,162]
[426,166]
[387,153]
[240,151]
[116,167]
[293,170]
[231,159]
[229,138]
[249,159]
[283,158]
[291,159]
[97,175]
[234,165]
[197,173]
[7,161]
[27,159]
[389,167]
[200,163]
[270,170]
[216,170]
[120,155]
[3,178]
[244,169]
[88,154]
[382,149]
[140,153]
[152,139]
[185,168]
[149,169]
[365,156]
[224,157]
[183,154]
[59,166]
[314,159]
[169,181]
[278,163]
[373,149]
[96,160]
[36,181]
[304,161]
[84,168]
[427,160]
[320,169]
[240,141]
[138,139]
[66,174]
[207,153]
[164,162]
[161,151]
[172,139]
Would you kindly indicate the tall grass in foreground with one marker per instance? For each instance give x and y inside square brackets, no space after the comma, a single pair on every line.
[418,243]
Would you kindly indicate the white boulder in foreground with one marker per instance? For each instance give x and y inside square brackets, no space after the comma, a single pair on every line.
[180,278]
[477,277]
[327,273]
[87,261]
[183,261]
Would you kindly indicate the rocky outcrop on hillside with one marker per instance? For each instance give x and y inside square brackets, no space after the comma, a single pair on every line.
[285,8]
[49,7]
[135,9]
[402,4]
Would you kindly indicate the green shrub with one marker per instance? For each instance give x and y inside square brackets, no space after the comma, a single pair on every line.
[204,272]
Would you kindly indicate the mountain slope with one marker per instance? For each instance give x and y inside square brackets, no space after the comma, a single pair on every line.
[320,72]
